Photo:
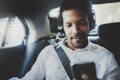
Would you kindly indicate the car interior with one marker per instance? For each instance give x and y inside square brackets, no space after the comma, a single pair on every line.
[27,26]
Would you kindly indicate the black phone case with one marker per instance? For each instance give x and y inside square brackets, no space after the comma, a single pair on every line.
[84,69]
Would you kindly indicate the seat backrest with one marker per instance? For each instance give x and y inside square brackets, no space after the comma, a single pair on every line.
[11,55]
[109,38]
[32,51]
[10,61]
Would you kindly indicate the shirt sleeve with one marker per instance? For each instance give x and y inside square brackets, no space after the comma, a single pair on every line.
[112,64]
[111,67]
[37,71]
[113,75]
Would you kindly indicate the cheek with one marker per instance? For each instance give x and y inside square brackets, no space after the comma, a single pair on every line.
[67,32]
[85,29]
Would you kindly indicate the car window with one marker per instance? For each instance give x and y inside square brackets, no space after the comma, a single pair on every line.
[106,13]
[13,34]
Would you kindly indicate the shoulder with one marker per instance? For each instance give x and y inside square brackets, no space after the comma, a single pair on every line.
[100,50]
[47,51]
[103,55]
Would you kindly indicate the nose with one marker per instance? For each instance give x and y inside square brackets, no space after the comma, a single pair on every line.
[75,29]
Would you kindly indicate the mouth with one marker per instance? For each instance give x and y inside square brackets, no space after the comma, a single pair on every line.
[79,40]
[78,36]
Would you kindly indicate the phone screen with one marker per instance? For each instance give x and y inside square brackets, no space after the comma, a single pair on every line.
[84,71]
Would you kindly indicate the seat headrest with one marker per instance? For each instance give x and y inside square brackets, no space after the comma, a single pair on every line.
[54,23]
[109,36]
[53,20]
[109,31]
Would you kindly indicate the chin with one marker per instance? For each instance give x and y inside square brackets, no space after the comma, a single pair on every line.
[80,44]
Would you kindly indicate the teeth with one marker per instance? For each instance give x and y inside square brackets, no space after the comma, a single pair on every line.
[74,37]
[78,36]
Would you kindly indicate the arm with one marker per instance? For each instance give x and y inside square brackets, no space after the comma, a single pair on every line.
[113,71]
[113,75]
[37,71]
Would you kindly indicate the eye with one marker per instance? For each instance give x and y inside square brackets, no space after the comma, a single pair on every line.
[82,22]
[68,25]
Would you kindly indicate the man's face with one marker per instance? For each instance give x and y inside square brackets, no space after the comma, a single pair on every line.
[76,27]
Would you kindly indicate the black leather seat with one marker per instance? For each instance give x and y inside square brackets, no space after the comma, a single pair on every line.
[11,56]
[110,39]
[10,61]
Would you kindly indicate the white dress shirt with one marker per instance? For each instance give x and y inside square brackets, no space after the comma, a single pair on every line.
[49,66]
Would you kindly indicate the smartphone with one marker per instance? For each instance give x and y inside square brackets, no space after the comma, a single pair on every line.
[84,71]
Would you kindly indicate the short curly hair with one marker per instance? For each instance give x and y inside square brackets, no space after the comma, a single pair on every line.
[82,5]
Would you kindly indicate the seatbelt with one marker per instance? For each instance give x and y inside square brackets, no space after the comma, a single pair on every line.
[22,19]
[6,30]
[64,60]
[25,42]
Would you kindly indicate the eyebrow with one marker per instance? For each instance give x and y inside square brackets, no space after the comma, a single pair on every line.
[79,20]
[83,18]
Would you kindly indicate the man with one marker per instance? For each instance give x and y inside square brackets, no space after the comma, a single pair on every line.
[75,17]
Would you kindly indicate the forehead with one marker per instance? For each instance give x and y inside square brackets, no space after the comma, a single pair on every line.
[72,14]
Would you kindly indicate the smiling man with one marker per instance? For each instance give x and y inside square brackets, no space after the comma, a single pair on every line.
[76,27]
[76,17]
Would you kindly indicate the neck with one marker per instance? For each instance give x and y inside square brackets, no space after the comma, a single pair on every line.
[75,48]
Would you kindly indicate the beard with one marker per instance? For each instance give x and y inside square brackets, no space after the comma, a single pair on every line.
[79,40]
